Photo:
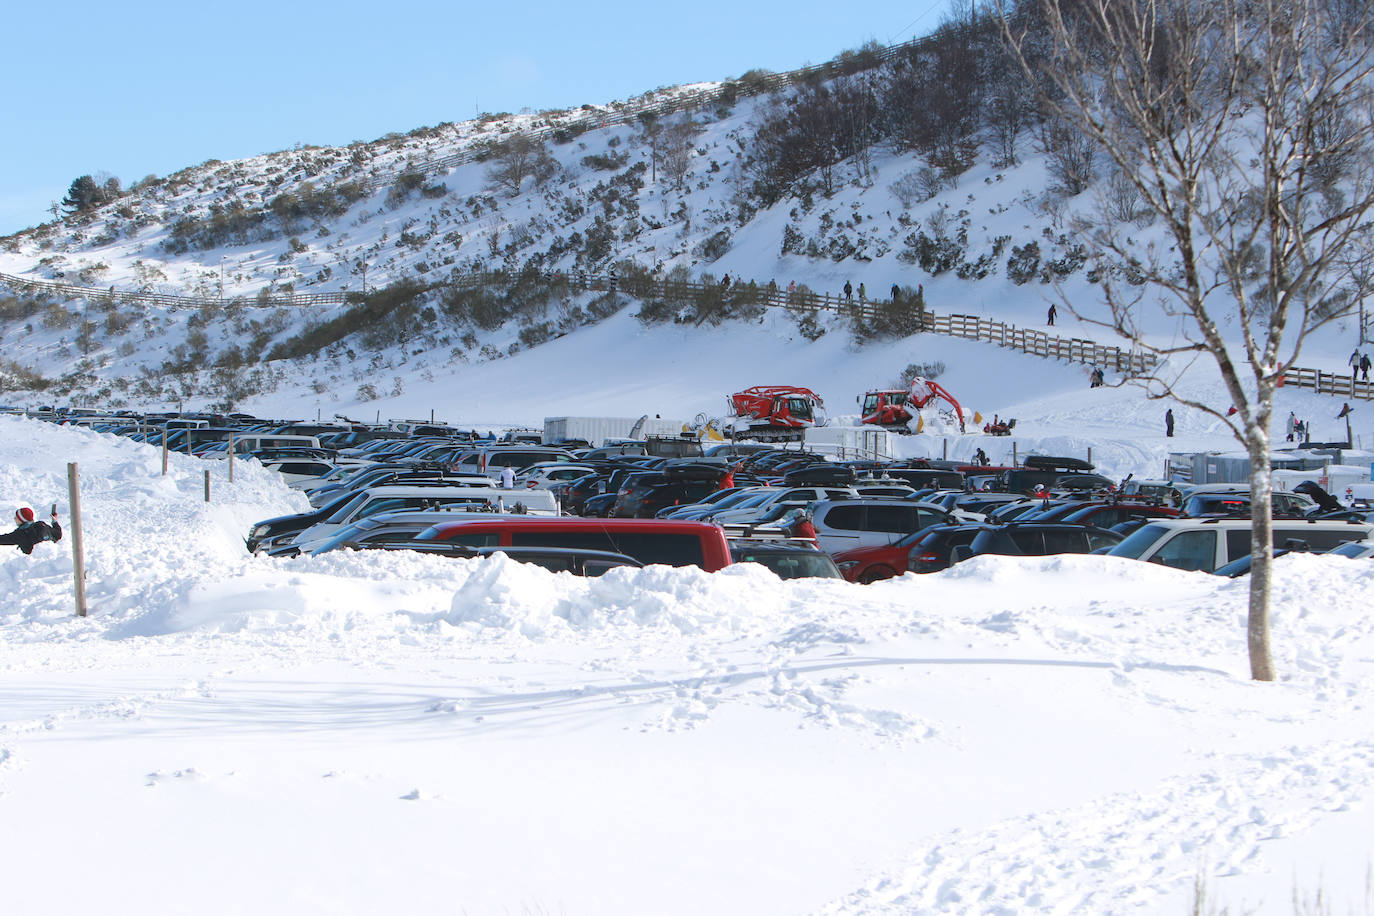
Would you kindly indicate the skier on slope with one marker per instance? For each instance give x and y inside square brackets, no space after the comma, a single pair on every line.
[32,532]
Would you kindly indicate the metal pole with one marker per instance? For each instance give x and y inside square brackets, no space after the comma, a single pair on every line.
[231,458]
[78,552]
[207,486]
[1013,454]
[164,451]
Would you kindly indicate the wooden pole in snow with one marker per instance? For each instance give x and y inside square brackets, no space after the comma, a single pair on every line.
[78,552]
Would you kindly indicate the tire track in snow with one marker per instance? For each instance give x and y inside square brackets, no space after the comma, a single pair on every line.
[120,707]
[1126,851]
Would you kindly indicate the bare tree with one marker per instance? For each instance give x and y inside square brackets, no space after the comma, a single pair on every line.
[675,149]
[1220,112]
[517,158]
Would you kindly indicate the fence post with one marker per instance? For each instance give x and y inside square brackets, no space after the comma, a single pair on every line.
[78,551]
[231,457]
[1013,453]
[207,485]
[164,451]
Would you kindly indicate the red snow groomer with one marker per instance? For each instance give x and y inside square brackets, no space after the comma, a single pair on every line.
[775,413]
[891,408]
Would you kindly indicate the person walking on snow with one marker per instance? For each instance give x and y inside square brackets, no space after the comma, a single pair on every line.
[1355,361]
[1364,367]
[1292,425]
[863,295]
[32,532]
[1169,422]
[848,291]
[1052,312]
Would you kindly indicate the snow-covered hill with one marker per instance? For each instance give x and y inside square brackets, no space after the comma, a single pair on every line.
[326,219]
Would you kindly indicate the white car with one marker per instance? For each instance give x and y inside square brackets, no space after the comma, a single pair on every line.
[543,475]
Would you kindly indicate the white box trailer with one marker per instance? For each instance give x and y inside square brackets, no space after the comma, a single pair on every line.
[597,430]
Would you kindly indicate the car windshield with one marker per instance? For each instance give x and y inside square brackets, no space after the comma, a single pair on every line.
[1138,542]
[342,513]
[1356,549]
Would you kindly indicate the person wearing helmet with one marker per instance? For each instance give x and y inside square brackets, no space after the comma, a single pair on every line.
[31,532]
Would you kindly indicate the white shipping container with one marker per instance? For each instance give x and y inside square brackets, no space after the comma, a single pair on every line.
[597,430]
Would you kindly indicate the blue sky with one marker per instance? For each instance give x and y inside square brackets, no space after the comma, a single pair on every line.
[152,87]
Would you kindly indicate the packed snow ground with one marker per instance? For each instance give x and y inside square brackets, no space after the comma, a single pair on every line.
[391,733]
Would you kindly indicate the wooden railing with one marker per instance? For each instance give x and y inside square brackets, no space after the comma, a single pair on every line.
[1332,383]
[969,327]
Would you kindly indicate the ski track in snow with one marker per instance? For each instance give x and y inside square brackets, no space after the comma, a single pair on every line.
[1124,852]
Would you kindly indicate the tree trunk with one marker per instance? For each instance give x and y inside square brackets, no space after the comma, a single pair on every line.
[1261,554]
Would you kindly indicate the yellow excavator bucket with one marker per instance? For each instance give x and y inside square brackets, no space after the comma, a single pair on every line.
[977,418]
[920,423]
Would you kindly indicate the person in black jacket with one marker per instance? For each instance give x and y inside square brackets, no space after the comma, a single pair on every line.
[32,532]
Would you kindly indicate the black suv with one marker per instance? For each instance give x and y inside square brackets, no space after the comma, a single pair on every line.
[1032,539]
[644,494]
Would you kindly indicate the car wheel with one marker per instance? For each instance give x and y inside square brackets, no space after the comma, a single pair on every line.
[876,573]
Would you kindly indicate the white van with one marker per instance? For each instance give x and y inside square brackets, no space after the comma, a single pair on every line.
[1207,544]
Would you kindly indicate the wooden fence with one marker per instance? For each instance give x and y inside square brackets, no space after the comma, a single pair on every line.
[1332,383]
[968,327]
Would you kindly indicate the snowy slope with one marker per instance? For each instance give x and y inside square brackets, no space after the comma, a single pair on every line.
[137,353]
[349,734]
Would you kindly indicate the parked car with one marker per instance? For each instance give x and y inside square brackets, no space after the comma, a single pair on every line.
[791,497]
[644,494]
[717,498]
[648,540]
[575,560]
[1034,539]
[545,475]
[1207,544]
[787,559]
[1355,550]
[394,498]
[1109,515]
[925,551]
[846,524]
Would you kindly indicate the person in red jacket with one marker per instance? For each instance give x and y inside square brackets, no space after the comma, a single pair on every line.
[32,532]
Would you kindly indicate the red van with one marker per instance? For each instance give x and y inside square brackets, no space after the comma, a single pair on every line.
[648,540]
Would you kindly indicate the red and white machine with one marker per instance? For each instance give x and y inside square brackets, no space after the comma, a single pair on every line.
[892,408]
[775,413]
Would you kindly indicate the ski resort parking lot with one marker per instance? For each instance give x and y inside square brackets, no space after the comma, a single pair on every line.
[385,730]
